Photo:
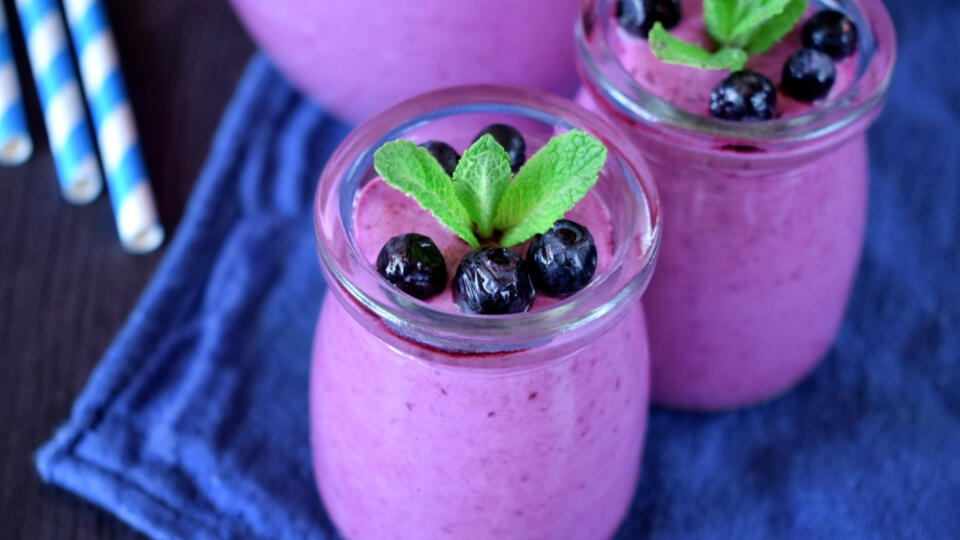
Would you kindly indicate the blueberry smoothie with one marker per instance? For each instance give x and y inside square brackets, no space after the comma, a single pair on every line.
[689,88]
[358,56]
[380,208]
[762,170]
[433,416]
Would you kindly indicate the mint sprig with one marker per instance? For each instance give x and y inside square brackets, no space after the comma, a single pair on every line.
[481,199]
[738,27]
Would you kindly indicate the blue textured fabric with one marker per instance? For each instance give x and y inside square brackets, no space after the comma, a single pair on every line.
[195,423]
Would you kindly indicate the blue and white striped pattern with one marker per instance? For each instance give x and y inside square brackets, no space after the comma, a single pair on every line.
[134,207]
[63,111]
[15,142]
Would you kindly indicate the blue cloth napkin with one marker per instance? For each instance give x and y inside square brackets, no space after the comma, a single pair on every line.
[195,423]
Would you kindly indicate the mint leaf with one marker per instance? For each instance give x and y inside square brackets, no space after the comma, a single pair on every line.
[756,14]
[480,179]
[673,51]
[412,170]
[762,38]
[719,17]
[739,27]
[548,185]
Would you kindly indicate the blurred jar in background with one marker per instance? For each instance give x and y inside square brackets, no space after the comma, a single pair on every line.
[356,57]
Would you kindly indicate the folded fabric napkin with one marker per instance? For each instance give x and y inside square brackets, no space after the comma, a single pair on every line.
[195,424]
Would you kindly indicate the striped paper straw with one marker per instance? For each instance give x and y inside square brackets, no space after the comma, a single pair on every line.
[63,111]
[134,207]
[15,142]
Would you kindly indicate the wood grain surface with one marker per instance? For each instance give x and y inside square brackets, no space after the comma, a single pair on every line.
[66,286]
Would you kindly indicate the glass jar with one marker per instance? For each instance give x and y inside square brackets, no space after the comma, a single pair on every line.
[763,222]
[428,423]
[356,57]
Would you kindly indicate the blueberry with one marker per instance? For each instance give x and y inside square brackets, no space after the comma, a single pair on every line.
[832,32]
[444,154]
[562,260]
[511,140]
[808,75]
[414,264]
[744,95]
[492,281]
[638,16]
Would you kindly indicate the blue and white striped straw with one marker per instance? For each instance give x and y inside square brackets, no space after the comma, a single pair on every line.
[133,203]
[63,111]
[15,142]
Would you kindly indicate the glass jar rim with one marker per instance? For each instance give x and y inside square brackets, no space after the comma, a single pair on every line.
[607,79]
[349,273]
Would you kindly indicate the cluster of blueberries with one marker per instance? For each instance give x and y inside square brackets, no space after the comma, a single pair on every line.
[747,95]
[492,280]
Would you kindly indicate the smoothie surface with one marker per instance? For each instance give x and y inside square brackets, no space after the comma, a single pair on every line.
[381,212]
[689,88]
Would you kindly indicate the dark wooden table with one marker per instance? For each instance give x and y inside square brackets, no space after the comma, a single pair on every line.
[66,286]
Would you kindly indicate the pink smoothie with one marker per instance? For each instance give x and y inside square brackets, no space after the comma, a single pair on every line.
[466,446]
[760,243]
[358,56]
[753,276]
[407,448]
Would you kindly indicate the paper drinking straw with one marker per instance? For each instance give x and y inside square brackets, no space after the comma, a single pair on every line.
[15,142]
[63,112]
[134,207]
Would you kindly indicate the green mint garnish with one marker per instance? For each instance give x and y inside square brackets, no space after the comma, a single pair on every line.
[411,169]
[773,29]
[480,179]
[739,28]
[481,198]
[548,185]
[673,51]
